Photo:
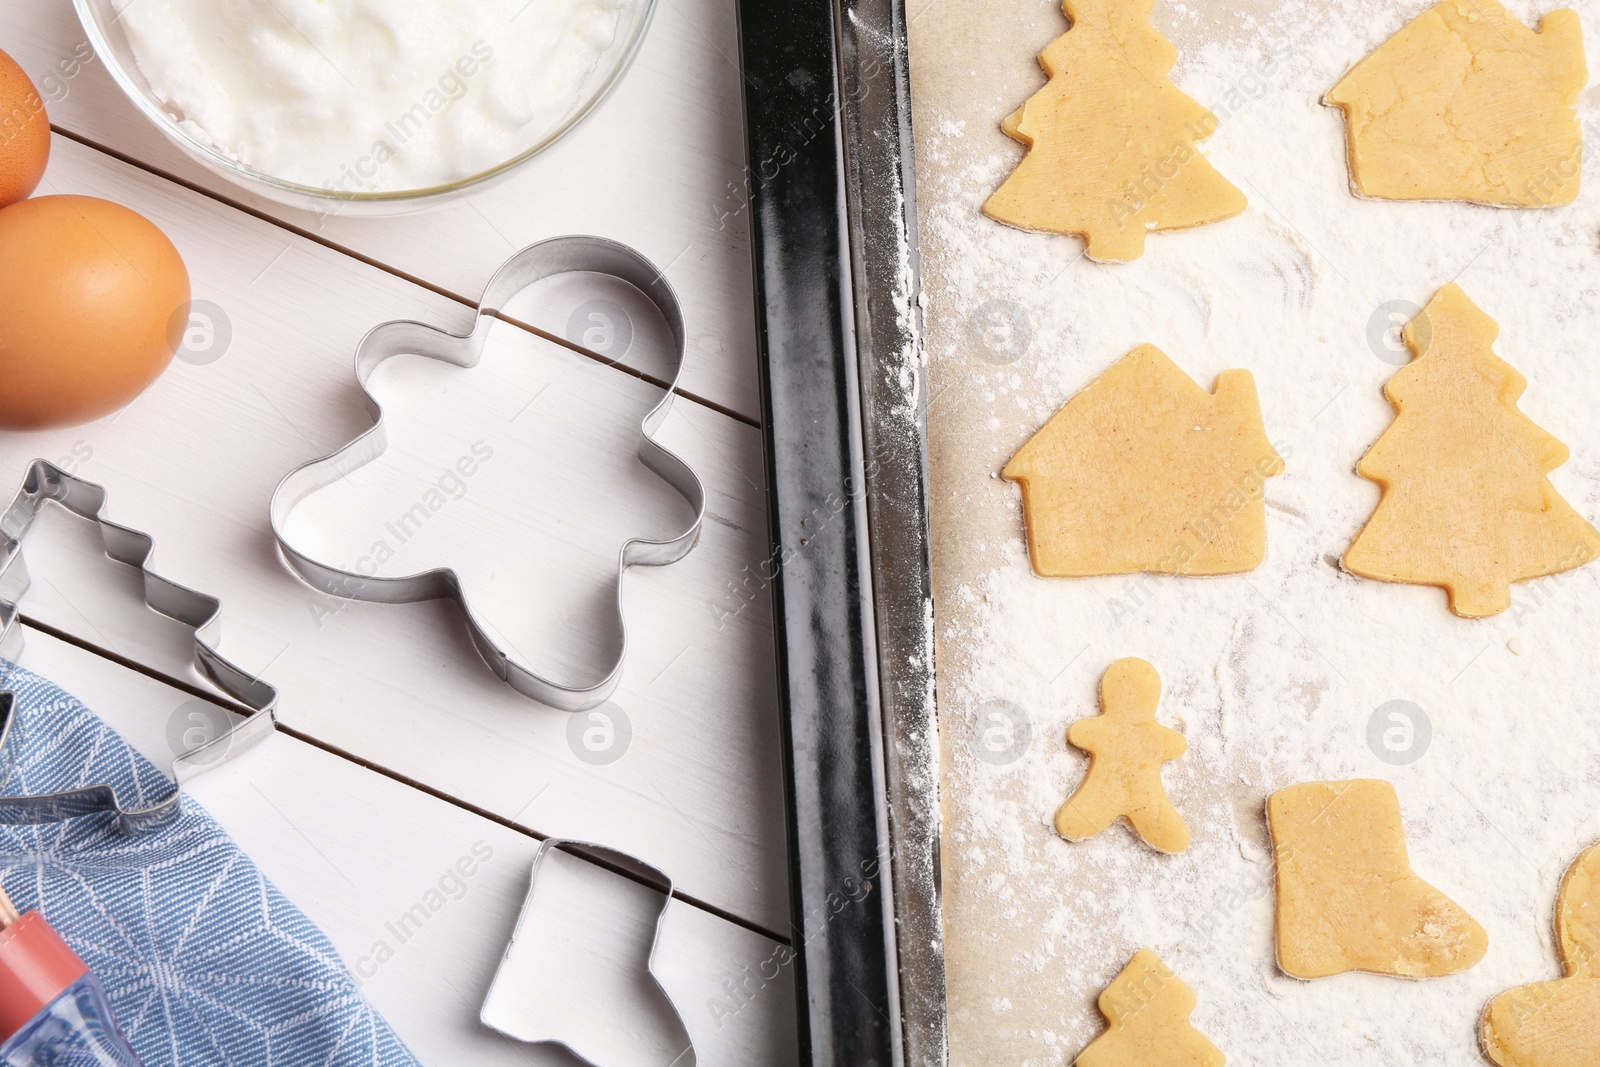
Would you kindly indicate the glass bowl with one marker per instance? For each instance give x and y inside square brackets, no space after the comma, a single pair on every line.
[101,24]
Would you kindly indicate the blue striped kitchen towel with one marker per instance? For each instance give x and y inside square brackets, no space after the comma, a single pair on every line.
[204,960]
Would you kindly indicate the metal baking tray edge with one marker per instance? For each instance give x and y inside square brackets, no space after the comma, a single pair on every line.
[833,235]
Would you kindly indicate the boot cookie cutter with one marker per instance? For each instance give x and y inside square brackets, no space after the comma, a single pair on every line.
[502,1010]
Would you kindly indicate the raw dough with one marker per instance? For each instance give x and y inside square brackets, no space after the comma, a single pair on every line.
[1465,504]
[1126,749]
[1347,900]
[1557,1024]
[1148,1008]
[1110,140]
[1145,471]
[1467,103]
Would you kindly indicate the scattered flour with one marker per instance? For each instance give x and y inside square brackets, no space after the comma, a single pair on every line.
[1273,675]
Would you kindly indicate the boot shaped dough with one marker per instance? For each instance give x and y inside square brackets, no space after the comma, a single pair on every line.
[1347,900]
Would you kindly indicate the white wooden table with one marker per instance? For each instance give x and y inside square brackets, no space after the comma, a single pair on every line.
[401,749]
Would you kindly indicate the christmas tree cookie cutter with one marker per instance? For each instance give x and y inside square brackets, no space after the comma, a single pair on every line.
[505,1012]
[547,259]
[46,483]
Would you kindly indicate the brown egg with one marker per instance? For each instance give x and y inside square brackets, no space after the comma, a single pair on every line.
[24,133]
[91,309]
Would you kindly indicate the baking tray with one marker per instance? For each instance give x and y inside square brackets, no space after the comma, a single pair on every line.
[1293,672]
[833,234]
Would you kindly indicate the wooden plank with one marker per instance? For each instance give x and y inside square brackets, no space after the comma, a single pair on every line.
[660,165]
[356,850]
[194,462]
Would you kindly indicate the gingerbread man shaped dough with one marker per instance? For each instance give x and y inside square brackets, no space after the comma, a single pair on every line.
[1553,1024]
[1126,749]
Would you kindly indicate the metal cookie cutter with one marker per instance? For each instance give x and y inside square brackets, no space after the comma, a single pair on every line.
[558,255]
[506,1012]
[46,482]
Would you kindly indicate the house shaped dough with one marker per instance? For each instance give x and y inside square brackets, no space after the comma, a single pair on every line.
[1146,471]
[1467,103]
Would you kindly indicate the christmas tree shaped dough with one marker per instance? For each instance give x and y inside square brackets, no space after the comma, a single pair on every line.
[1148,1007]
[1465,503]
[1145,471]
[1467,103]
[1347,900]
[1110,139]
[1126,749]
[1557,1024]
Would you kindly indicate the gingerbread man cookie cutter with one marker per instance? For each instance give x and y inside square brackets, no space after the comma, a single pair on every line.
[46,483]
[547,259]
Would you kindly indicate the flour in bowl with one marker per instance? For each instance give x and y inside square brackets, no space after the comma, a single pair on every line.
[370,95]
